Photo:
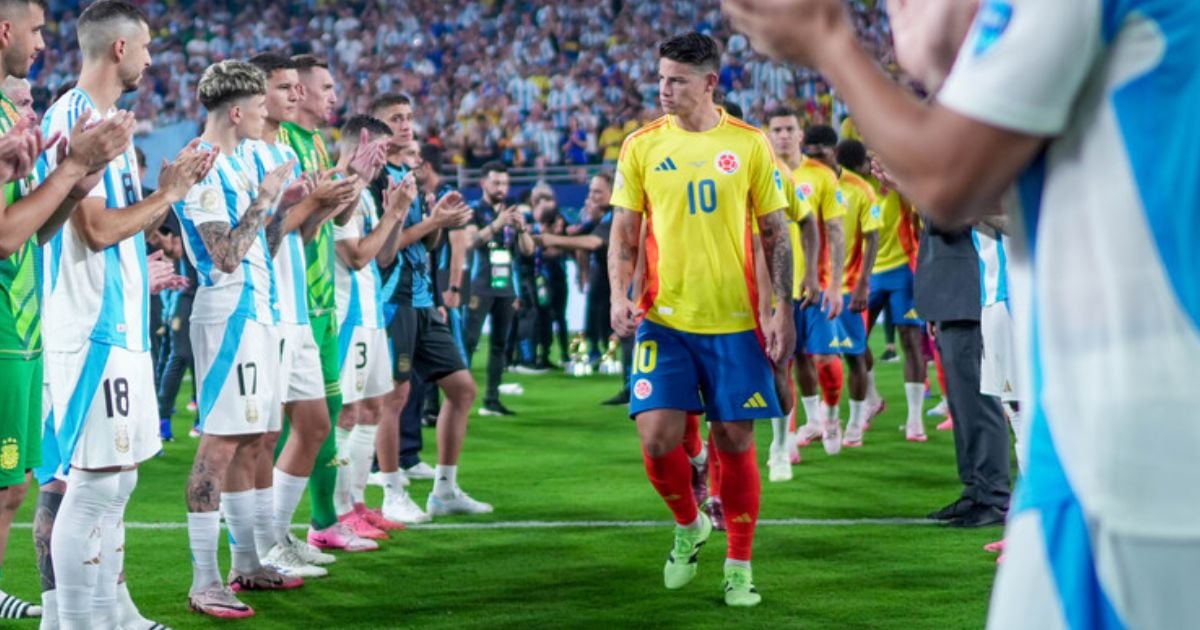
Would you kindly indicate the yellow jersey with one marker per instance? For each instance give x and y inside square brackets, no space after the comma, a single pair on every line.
[819,185]
[701,194]
[863,217]
[798,210]
[897,234]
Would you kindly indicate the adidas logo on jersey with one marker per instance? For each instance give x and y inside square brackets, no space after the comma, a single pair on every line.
[666,165]
[755,402]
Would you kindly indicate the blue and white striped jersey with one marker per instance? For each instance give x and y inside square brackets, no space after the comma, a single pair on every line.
[249,291]
[993,267]
[290,265]
[101,296]
[358,292]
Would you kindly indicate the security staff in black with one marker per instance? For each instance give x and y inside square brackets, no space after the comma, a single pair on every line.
[497,234]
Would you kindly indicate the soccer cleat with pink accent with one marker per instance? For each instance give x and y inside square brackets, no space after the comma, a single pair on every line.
[995,547]
[338,536]
[875,412]
[946,425]
[376,519]
[265,579]
[361,527]
[807,434]
[832,439]
[218,601]
[915,432]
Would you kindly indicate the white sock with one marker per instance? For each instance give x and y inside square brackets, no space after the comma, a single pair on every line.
[730,562]
[112,552]
[915,394]
[341,493]
[75,544]
[779,433]
[392,484]
[445,480]
[264,535]
[701,458]
[872,393]
[362,452]
[830,413]
[238,509]
[812,410]
[1014,418]
[694,525]
[49,611]
[288,491]
[857,415]
[128,615]
[203,530]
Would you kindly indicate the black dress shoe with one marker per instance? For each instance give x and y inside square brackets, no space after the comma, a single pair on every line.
[954,510]
[980,516]
[622,398]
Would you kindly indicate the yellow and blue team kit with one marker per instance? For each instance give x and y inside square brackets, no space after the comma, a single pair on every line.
[701,193]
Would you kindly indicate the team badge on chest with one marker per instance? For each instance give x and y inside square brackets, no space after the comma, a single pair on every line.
[727,162]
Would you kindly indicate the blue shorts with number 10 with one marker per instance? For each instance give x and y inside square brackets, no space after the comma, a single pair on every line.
[728,376]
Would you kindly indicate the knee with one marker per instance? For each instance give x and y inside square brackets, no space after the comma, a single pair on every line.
[462,392]
[658,446]
[12,497]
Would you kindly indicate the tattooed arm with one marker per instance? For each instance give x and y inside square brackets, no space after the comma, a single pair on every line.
[622,260]
[227,247]
[862,290]
[777,247]
[276,229]
[835,236]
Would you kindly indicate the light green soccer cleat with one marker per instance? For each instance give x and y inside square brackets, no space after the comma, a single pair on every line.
[681,562]
[739,587]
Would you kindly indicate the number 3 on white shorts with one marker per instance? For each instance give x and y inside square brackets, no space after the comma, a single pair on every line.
[645,357]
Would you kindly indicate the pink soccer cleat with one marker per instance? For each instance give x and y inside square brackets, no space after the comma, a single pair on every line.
[994,547]
[946,425]
[218,601]
[807,434]
[340,537]
[361,527]
[376,519]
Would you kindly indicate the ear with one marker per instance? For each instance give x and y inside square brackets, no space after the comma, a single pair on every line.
[5,33]
[118,49]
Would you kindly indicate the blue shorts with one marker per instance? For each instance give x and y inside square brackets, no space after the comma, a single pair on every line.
[853,327]
[674,370]
[815,332]
[895,289]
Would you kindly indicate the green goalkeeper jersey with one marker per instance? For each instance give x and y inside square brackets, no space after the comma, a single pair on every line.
[319,252]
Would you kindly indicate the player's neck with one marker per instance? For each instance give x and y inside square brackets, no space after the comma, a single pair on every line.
[702,119]
[307,121]
[100,82]
[221,135]
[270,130]
[793,160]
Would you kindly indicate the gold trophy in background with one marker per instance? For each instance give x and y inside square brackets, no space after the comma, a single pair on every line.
[578,365]
[610,363]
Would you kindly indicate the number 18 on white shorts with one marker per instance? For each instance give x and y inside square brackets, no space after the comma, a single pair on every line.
[237,373]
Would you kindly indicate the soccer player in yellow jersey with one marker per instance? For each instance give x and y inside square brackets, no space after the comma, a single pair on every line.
[701,180]
[892,286]
[818,367]
[862,244]
[783,129]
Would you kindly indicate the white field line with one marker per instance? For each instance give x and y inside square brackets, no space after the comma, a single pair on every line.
[785,522]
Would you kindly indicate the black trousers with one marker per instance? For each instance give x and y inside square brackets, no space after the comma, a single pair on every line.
[981,439]
[179,357]
[501,310]
[411,441]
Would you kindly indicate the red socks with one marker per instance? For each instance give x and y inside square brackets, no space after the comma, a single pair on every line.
[740,498]
[829,376]
[671,476]
[941,374]
[691,435]
[714,469]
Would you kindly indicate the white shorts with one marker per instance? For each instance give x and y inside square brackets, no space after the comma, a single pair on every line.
[104,405]
[366,364]
[997,371]
[237,376]
[300,369]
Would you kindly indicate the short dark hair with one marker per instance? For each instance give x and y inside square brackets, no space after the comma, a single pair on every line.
[694,49]
[733,109]
[388,100]
[782,112]
[305,63]
[820,135]
[357,123]
[431,154]
[607,176]
[494,166]
[270,63]
[102,12]
[852,154]
[8,5]
[141,156]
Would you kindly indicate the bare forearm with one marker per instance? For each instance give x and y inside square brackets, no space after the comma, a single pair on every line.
[319,217]
[298,214]
[835,238]
[43,211]
[102,227]
[227,247]
[623,252]
[362,252]
[810,239]
[952,167]
[870,252]
[587,242]
[525,242]
[417,233]
[777,247]
[458,255]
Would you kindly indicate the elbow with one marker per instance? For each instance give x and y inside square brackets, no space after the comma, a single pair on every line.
[8,249]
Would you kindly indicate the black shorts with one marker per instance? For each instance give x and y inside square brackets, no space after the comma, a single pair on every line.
[422,343]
